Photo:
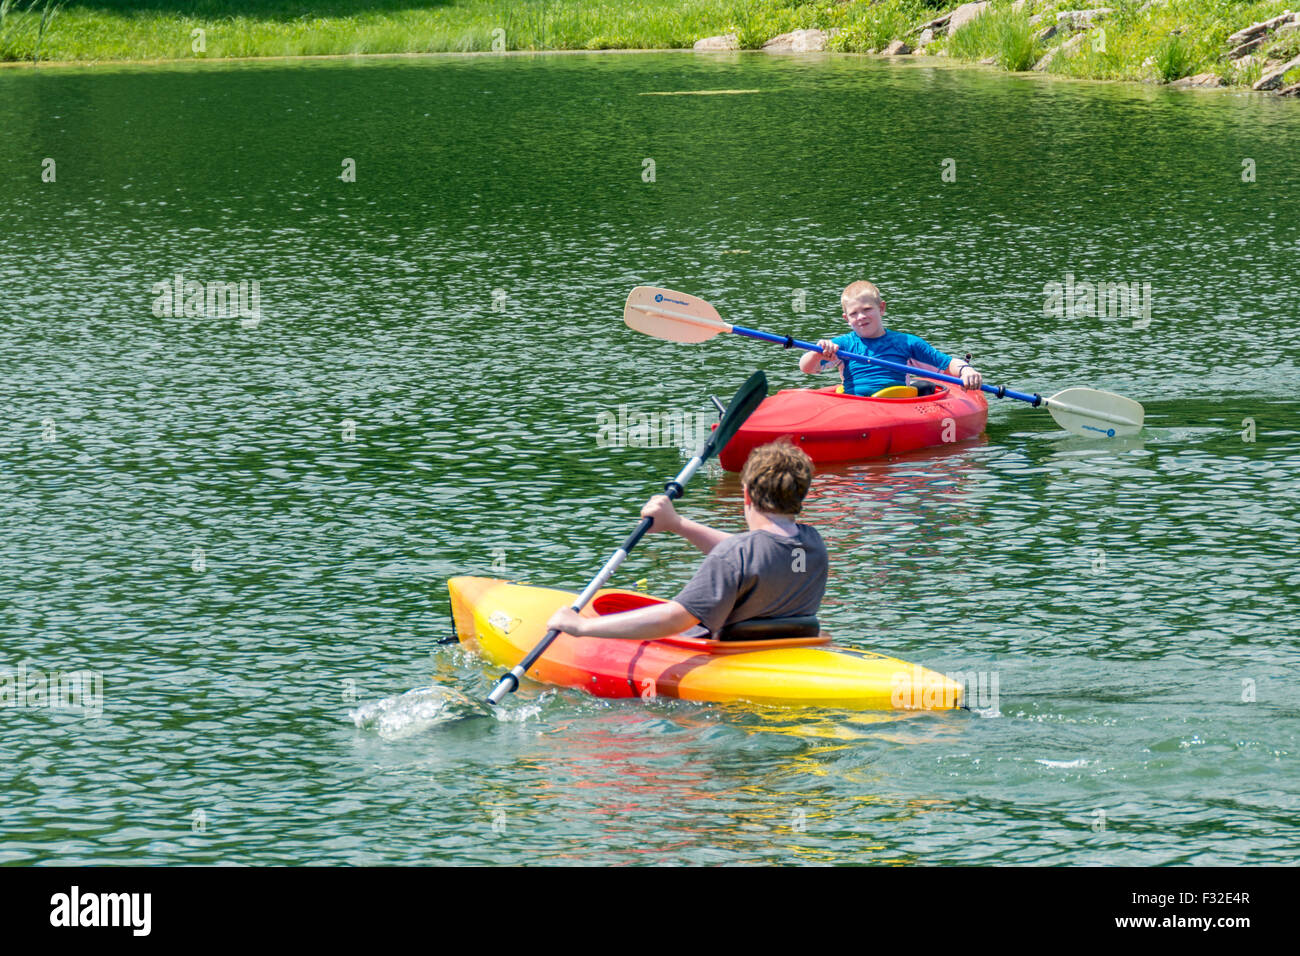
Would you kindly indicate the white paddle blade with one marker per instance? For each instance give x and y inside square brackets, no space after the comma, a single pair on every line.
[670,315]
[1094,413]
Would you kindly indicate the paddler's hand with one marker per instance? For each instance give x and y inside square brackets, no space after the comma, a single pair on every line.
[970,377]
[568,620]
[665,516]
[828,348]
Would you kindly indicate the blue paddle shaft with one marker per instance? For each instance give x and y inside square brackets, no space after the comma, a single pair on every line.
[1001,391]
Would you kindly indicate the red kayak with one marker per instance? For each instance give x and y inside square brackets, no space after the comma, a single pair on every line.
[831,426]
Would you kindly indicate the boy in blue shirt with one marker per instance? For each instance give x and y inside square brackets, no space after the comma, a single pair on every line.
[864,310]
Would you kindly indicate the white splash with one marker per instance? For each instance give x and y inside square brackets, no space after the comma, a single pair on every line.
[416,711]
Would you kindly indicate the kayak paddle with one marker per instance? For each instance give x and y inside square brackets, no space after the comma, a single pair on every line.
[746,399]
[679,317]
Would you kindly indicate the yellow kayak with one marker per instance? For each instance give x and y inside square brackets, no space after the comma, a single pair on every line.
[502,622]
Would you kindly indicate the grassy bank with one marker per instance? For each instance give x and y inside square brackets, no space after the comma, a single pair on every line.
[1159,41]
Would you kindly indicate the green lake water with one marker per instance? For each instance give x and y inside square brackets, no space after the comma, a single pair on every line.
[258,584]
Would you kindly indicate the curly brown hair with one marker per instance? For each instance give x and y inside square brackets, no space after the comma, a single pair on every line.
[777,476]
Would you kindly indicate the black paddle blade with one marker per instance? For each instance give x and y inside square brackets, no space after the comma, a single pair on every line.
[747,398]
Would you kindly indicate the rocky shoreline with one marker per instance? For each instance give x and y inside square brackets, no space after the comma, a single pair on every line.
[1198,44]
[1245,63]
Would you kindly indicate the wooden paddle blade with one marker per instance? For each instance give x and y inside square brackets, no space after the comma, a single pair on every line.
[1094,413]
[670,315]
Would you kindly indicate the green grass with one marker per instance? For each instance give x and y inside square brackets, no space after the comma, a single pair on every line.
[1180,38]
[1165,42]
[149,31]
[1003,34]
[24,25]
[1175,58]
[872,26]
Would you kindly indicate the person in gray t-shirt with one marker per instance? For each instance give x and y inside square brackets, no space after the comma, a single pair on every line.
[775,569]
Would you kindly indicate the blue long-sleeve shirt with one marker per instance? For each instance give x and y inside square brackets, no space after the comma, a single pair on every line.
[861,378]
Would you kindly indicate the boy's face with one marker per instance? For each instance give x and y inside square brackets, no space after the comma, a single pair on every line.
[865,314]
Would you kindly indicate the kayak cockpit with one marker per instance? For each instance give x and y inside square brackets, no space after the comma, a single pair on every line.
[905,394]
[749,635]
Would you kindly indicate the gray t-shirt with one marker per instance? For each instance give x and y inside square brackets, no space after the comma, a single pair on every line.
[758,574]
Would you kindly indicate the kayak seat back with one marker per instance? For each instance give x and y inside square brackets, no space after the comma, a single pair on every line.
[897,391]
[919,393]
[770,628]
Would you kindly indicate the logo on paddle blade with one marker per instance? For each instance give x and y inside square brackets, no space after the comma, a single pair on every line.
[660,297]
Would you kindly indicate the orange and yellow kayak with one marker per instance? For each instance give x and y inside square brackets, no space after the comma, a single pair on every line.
[502,622]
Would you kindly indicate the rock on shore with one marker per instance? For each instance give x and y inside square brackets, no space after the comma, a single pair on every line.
[799,41]
[728,41]
[965,14]
[1272,79]
[1200,80]
[1066,48]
